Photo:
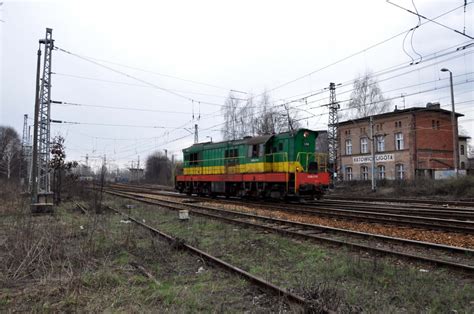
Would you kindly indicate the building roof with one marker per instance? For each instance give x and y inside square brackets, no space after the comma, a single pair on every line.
[464,137]
[397,112]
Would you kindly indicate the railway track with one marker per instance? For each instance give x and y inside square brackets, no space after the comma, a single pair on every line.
[452,220]
[441,255]
[279,291]
[464,203]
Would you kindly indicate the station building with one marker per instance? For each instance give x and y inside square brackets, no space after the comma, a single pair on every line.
[411,142]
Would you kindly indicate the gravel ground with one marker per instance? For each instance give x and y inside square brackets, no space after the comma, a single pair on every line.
[439,237]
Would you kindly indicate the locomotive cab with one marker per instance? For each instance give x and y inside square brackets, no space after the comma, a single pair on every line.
[277,166]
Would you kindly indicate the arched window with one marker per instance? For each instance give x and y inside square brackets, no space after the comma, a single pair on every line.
[364,145]
[381,172]
[462,149]
[380,143]
[364,173]
[400,171]
[348,147]
[349,173]
[399,141]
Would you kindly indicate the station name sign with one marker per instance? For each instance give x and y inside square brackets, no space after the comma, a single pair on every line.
[378,158]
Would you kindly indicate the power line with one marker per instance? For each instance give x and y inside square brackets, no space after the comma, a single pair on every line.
[157,73]
[359,52]
[136,78]
[131,84]
[65,103]
[432,20]
[114,125]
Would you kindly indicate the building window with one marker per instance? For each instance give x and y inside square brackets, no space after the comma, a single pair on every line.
[399,124]
[433,124]
[463,165]
[381,172]
[398,141]
[364,173]
[349,173]
[364,146]
[437,124]
[462,149]
[380,143]
[400,171]
[348,147]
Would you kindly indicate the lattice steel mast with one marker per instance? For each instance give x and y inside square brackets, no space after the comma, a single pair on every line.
[41,150]
[332,127]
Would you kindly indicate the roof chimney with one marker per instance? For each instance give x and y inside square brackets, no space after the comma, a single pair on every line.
[433,105]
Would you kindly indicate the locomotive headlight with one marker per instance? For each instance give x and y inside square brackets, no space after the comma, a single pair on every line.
[305,134]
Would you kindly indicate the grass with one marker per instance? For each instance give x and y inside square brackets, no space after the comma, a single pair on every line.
[352,281]
[96,271]
[446,189]
[91,266]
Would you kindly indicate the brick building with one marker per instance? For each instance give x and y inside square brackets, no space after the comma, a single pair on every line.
[411,142]
[463,152]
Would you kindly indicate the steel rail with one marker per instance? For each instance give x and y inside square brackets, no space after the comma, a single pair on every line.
[216,261]
[429,223]
[402,200]
[426,210]
[288,231]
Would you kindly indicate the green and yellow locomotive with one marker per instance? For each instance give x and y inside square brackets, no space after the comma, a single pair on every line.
[278,166]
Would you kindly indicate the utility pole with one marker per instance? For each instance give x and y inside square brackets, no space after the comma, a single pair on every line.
[332,129]
[454,125]
[196,135]
[372,138]
[24,155]
[41,198]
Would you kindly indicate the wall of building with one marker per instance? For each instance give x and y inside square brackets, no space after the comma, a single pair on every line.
[427,145]
[434,140]
[390,157]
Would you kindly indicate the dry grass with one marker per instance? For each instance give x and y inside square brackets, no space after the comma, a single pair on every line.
[447,189]
[92,262]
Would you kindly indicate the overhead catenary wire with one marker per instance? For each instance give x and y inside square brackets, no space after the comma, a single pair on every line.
[134,77]
[316,115]
[360,51]
[159,74]
[433,20]
[81,77]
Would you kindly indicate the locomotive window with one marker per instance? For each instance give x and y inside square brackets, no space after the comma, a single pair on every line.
[313,167]
[255,151]
[261,150]
[193,159]
[280,147]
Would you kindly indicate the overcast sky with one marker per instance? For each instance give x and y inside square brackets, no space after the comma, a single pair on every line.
[169,53]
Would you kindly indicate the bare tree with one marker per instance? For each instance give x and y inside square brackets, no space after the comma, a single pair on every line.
[270,120]
[244,117]
[230,111]
[158,169]
[10,152]
[367,98]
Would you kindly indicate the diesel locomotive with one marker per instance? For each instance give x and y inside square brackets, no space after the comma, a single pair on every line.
[284,165]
